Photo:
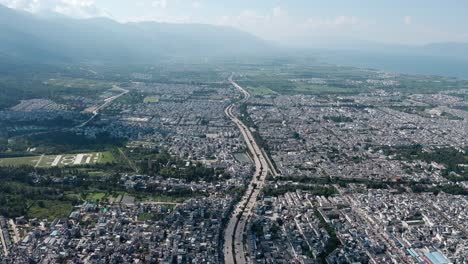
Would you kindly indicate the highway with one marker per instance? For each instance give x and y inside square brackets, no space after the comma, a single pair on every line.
[16,236]
[3,240]
[234,248]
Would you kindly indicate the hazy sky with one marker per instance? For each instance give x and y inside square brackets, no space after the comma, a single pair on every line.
[299,22]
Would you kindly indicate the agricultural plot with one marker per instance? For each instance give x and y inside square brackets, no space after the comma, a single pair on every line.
[59,160]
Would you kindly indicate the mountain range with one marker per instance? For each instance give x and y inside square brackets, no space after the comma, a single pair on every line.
[28,37]
[54,38]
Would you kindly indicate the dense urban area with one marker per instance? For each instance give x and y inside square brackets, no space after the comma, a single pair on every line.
[258,162]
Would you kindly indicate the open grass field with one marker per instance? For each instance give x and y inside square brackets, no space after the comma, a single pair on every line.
[98,196]
[19,161]
[303,88]
[81,83]
[145,216]
[60,160]
[49,209]
[275,86]
[261,91]
[151,99]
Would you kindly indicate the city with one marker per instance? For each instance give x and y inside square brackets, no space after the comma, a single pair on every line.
[233,132]
[211,173]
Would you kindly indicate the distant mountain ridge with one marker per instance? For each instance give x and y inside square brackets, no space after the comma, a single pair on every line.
[28,37]
[52,37]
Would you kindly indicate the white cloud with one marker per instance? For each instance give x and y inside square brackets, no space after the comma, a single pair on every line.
[278,12]
[346,20]
[336,22]
[278,25]
[74,8]
[251,20]
[408,20]
[27,5]
[159,18]
[159,4]
[196,4]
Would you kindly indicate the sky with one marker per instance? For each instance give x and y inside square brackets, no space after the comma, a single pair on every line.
[310,23]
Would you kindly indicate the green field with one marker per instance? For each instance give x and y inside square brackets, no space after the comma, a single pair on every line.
[60,160]
[81,83]
[302,88]
[151,99]
[275,86]
[260,91]
[106,157]
[94,173]
[19,161]
[145,216]
[96,196]
[49,209]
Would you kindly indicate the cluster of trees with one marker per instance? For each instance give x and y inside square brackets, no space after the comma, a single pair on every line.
[22,87]
[339,119]
[190,173]
[153,162]
[204,92]
[245,118]
[281,86]
[16,198]
[450,157]
[17,192]
[133,97]
[332,243]
[296,135]
[58,142]
[450,189]
[58,121]
[4,145]
[20,189]
[414,109]
[23,186]
[450,116]
[257,227]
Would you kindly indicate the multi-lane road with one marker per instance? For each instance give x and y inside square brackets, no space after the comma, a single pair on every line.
[234,248]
